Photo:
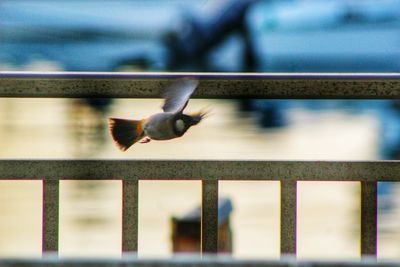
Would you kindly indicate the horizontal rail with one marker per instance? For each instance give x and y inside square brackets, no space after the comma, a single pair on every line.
[188,261]
[200,170]
[212,85]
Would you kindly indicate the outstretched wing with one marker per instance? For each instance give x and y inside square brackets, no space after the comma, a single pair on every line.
[178,93]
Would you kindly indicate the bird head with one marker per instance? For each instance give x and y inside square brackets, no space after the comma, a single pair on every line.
[182,122]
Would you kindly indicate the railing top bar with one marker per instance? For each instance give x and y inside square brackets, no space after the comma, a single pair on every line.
[200,170]
[205,75]
[212,85]
[190,261]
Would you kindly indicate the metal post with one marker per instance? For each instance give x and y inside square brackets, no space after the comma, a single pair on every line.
[50,215]
[130,193]
[209,216]
[369,218]
[288,217]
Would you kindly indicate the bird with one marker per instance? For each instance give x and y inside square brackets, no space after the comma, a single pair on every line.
[169,124]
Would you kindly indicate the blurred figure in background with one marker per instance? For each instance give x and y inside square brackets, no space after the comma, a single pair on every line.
[190,42]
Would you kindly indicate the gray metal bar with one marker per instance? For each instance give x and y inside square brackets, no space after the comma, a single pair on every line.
[201,170]
[288,217]
[130,215]
[50,216]
[209,217]
[212,85]
[187,261]
[369,218]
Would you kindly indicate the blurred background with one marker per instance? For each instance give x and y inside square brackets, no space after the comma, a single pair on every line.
[206,36]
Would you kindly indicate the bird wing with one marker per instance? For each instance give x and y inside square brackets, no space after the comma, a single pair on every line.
[178,93]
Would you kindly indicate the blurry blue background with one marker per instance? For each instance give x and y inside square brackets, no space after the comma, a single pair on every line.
[246,35]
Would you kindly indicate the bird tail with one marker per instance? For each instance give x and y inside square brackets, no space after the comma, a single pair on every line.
[125,132]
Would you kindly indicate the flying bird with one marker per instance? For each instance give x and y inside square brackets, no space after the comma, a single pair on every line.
[169,124]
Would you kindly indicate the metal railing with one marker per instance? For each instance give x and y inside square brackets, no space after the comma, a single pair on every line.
[193,261]
[233,85]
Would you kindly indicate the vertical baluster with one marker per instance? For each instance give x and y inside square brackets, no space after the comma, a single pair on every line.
[288,217]
[130,196]
[369,218]
[209,216]
[50,215]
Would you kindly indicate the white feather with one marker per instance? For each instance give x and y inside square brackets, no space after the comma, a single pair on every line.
[180,125]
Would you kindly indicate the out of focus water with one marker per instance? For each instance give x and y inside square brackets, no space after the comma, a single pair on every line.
[90,211]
